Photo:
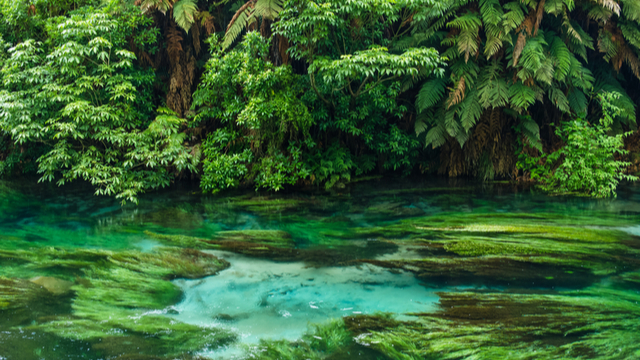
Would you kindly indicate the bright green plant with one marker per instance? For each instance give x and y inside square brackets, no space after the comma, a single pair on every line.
[529,57]
[355,82]
[586,163]
[262,122]
[81,95]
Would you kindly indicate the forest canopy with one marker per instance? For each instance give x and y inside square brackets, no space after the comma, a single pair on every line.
[132,96]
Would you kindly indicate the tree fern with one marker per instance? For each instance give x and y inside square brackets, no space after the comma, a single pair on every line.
[430,94]
[248,13]
[631,9]
[184,13]
[577,102]
[558,99]
[470,111]
[521,96]
[562,57]
[492,87]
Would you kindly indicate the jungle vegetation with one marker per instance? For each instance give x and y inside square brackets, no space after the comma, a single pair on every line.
[133,95]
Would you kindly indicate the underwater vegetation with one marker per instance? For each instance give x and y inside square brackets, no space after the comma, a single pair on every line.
[508,249]
[119,298]
[559,281]
[595,323]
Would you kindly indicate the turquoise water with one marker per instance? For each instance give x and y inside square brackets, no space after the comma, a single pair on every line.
[82,277]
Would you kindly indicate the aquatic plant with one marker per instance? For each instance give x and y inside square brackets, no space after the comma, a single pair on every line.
[539,249]
[119,296]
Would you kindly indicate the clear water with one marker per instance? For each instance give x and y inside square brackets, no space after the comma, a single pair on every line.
[355,252]
[261,299]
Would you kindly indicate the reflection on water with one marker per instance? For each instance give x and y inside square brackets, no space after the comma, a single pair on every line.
[486,271]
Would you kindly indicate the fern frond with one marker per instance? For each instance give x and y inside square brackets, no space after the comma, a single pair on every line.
[631,33]
[577,102]
[457,94]
[470,111]
[514,17]
[451,124]
[599,13]
[554,7]
[184,13]
[430,94]
[562,57]
[491,12]
[631,9]
[558,98]
[238,22]
[269,9]
[161,5]
[610,5]
[436,136]
[606,45]
[420,126]
[521,96]
[533,54]
[469,26]
[581,76]
[492,88]
[530,131]
[545,73]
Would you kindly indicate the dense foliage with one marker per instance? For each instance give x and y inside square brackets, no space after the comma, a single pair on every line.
[303,92]
[586,163]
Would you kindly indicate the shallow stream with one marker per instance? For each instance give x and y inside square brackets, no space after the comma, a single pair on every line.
[403,269]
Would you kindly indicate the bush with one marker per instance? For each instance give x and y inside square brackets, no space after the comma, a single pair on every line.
[586,164]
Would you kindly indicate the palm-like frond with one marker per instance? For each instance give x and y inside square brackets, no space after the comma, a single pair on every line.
[184,13]
[430,94]
[252,9]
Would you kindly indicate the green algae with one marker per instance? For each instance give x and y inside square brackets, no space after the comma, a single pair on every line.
[331,340]
[118,296]
[598,322]
[14,293]
[538,249]
[277,238]
[180,217]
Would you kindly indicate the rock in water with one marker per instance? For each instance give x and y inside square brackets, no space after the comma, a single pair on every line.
[54,285]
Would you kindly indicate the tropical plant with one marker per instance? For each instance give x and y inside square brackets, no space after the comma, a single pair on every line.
[81,96]
[261,121]
[355,81]
[539,59]
[248,14]
[586,164]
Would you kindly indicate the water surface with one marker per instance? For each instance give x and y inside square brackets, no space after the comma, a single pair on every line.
[374,265]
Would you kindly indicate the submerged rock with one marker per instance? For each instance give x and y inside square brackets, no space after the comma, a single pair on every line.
[53,285]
